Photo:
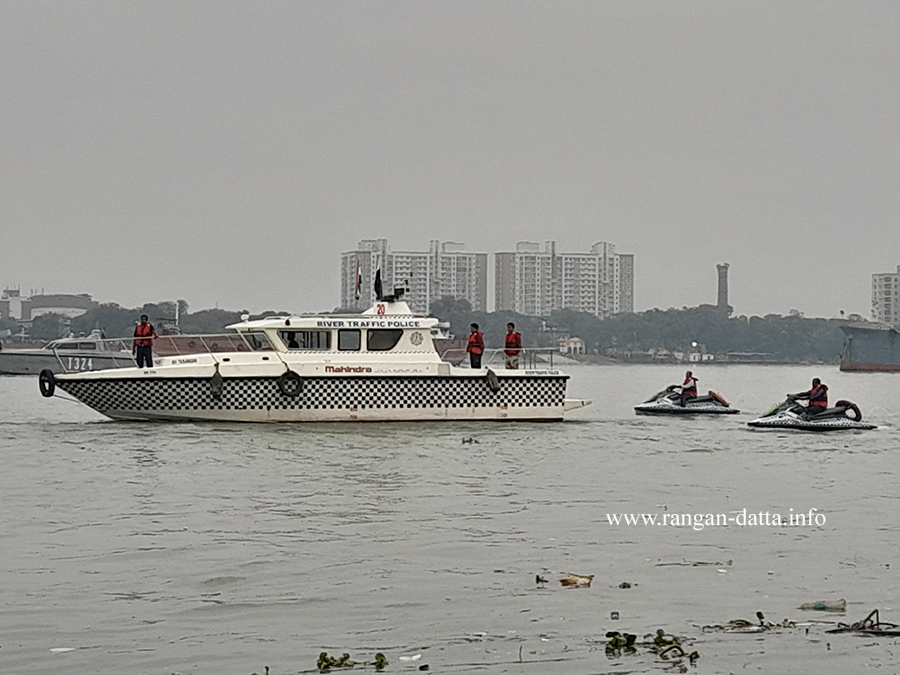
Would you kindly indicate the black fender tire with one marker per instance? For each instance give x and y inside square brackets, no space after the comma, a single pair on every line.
[47,383]
[493,381]
[290,384]
[216,385]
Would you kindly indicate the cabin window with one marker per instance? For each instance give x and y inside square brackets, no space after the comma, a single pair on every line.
[382,339]
[65,345]
[87,345]
[306,339]
[258,342]
[349,340]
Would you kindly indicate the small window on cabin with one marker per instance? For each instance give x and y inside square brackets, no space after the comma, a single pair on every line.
[382,339]
[306,339]
[66,345]
[258,341]
[87,345]
[349,340]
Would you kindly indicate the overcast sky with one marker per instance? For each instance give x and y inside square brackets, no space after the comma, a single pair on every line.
[227,152]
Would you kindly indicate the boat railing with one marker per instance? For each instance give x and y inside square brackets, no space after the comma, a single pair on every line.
[119,352]
[530,358]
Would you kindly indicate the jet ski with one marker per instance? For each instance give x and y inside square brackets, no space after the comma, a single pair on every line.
[668,402]
[792,415]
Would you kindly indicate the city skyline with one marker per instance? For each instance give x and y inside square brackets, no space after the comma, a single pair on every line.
[191,149]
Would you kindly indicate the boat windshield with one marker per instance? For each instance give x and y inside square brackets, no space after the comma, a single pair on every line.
[172,345]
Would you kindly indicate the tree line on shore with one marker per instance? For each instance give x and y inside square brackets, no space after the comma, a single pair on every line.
[621,336]
[709,328]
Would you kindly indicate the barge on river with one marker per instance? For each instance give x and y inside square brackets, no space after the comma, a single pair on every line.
[380,365]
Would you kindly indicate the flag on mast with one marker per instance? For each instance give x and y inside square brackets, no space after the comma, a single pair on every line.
[358,284]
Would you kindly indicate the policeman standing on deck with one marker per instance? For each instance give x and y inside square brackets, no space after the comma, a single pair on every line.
[475,346]
[513,342]
[143,343]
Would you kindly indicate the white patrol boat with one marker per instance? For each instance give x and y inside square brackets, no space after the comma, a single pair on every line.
[377,366]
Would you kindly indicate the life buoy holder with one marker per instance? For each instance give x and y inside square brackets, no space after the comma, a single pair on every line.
[290,384]
[47,383]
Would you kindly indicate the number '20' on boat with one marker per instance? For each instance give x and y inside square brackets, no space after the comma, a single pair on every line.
[380,365]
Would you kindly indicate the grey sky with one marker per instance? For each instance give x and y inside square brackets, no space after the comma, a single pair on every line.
[227,152]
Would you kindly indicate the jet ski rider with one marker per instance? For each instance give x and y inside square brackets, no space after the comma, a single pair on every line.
[818,397]
[688,389]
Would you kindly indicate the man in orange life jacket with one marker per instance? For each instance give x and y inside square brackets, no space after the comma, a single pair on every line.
[688,388]
[513,346]
[475,346]
[143,344]
[818,397]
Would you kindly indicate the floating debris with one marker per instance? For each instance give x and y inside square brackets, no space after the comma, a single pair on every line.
[470,440]
[539,580]
[326,663]
[826,605]
[667,647]
[696,563]
[745,626]
[625,584]
[619,641]
[581,580]
[871,625]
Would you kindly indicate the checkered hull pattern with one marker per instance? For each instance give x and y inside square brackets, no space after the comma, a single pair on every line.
[778,422]
[324,398]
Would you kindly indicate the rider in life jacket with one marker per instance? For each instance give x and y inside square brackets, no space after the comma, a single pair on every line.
[688,388]
[818,397]
[475,346]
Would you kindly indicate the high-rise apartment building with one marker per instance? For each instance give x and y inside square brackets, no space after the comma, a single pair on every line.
[886,297]
[536,280]
[445,269]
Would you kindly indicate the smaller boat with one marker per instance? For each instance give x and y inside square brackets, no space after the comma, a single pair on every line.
[668,402]
[792,415]
[71,354]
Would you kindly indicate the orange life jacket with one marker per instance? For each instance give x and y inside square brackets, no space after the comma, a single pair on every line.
[819,396]
[476,342]
[142,330]
[513,343]
[689,386]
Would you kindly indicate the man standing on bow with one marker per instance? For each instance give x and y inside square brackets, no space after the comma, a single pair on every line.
[142,348]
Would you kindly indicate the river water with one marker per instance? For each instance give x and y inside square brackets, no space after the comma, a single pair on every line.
[221,549]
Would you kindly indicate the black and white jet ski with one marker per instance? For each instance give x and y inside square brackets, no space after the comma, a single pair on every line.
[792,415]
[668,402]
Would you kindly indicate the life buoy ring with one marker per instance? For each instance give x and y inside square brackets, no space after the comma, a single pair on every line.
[493,381]
[850,405]
[290,384]
[47,383]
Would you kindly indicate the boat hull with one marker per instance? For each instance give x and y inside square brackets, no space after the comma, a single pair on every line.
[789,422]
[874,349]
[324,399]
[668,409]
